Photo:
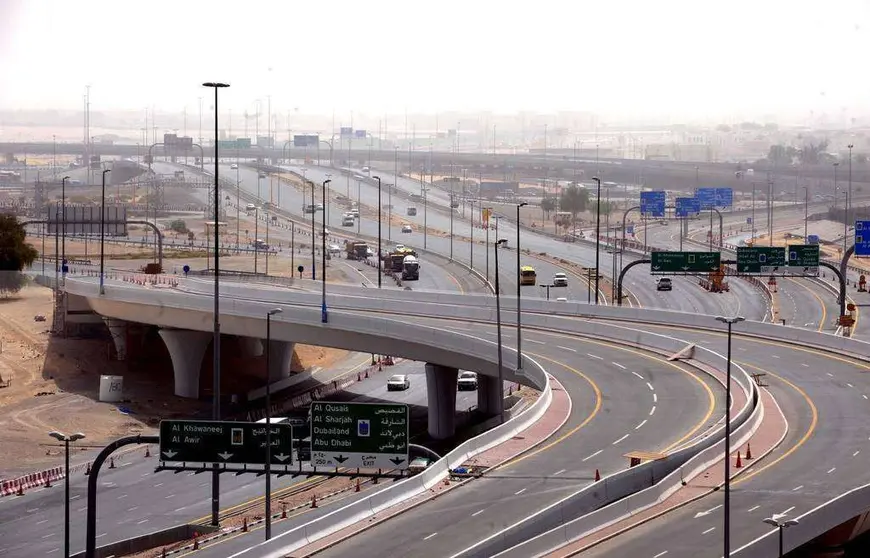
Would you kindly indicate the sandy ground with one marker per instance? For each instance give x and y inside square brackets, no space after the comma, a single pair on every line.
[55,384]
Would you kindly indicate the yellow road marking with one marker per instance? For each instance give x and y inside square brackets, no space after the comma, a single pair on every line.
[800,442]
[819,299]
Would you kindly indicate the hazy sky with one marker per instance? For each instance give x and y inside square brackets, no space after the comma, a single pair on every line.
[687,59]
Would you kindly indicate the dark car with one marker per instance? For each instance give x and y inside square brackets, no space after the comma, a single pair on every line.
[664,284]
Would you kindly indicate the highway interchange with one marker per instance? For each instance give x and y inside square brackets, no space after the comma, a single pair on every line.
[622,399]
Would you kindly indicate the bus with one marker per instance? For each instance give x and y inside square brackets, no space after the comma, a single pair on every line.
[527,275]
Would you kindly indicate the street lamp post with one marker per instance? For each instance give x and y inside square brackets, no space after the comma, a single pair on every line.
[378,178]
[313,235]
[806,212]
[727,528]
[323,316]
[63,204]
[597,234]
[498,331]
[451,219]
[780,525]
[103,233]
[256,234]
[268,464]
[66,440]
[216,343]
[848,202]
[519,286]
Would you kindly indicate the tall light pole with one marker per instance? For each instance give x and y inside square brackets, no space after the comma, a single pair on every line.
[498,332]
[597,234]
[780,525]
[848,202]
[313,234]
[216,343]
[103,233]
[806,212]
[63,234]
[727,528]
[66,440]
[378,178]
[256,235]
[519,287]
[268,464]
[323,315]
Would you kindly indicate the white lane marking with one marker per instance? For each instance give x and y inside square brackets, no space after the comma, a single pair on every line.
[850,385]
[652,411]
[101,535]
[427,537]
[33,510]
[710,530]
[520,491]
[805,365]
[53,550]
[831,470]
[567,348]
[76,497]
[41,522]
[147,475]
[168,497]
[158,484]
[623,367]
[741,349]
[775,356]
[864,395]
[122,496]
[641,424]
[636,374]
[478,512]
[831,375]
[48,535]
[649,385]
[786,511]
[655,398]
[590,355]
[82,509]
[559,472]
[593,455]
[660,554]
[180,509]
[134,508]
[795,489]
[856,453]
[141,522]
[619,440]
[752,509]
[535,341]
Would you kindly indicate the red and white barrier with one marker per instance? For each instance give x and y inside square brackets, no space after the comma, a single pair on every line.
[33,480]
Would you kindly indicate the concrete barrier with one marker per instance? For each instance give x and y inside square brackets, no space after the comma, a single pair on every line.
[164,537]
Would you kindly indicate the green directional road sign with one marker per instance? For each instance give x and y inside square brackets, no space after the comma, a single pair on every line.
[684,262]
[803,259]
[760,259]
[204,441]
[364,435]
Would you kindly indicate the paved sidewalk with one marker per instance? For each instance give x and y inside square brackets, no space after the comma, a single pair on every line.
[769,434]
[553,419]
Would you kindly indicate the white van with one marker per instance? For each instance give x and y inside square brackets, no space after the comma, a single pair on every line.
[250,207]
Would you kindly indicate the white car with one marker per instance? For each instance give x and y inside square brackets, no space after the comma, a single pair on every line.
[406,228]
[398,382]
[467,381]
[234,166]
[560,279]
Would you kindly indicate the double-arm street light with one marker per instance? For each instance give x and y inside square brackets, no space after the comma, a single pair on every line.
[780,525]
[268,465]
[519,287]
[323,315]
[378,178]
[66,440]
[498,332]
[727,507]
[216,342]
[597,234]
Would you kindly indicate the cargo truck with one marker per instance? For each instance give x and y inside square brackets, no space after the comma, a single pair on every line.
[356,250]
[410,269]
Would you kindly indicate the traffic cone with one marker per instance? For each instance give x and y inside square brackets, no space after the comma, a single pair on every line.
[357,486]
[748,451]
[47,481]
[196,542]
[20,491]
[244,525]
[739,463]
[88,469]
[111,463]
[380,368]
[147,451]
[367,373]
[358,376]
[313,501]
[597,475]
[283,510]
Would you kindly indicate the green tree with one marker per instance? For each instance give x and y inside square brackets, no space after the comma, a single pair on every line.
[178,226]
[548,204]
[574,200]
[15,254]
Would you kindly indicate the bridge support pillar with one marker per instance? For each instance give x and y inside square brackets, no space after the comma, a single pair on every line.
[441,391]
[118,331]
[490,395]
[186,349]
[280,357]
[250,346]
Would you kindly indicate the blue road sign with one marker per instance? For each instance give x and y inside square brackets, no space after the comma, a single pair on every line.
[724,197]
[707,197]
[862,238]
[812,239]
[687,207]
[652,204]
[749,220]
[629,229]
